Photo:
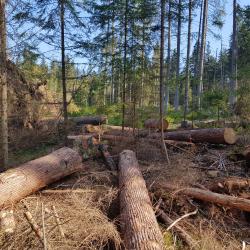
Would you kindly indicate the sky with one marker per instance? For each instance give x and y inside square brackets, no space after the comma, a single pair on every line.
[215,45]
[228,25]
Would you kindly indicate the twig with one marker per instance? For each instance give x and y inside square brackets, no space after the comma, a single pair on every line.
[180,231]
[34,226]
[44,230]
[182,217]
[59,223]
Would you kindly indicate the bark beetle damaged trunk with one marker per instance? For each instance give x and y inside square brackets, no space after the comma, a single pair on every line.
[138,222]
[28,178]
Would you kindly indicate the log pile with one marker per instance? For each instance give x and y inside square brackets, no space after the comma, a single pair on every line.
[139,225]
[28,178]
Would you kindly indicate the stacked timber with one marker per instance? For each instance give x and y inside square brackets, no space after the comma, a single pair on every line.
[139,225]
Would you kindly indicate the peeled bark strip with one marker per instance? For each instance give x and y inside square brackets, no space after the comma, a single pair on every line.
[206,195]
[8,224]
[139,225]
[28,178]
[94,120]
[210,135]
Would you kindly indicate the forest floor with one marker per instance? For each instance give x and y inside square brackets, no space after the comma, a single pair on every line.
[86,214]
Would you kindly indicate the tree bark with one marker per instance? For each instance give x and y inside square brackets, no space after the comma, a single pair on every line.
[206,195]
[233,70]
[139,225]
[3,90]
[107,157]
[177,80]
[93,120]
[211,135]
[186,99]
[64,87]
[28,178]
[202,51]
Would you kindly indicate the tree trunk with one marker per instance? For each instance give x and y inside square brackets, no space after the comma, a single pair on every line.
[93,120]
[139,225]
[210,135]
[28,178]
[233,80]
[186,101]
[177,80]
[3,91]
[202,51]
[124,63]
[206,195]
[64,87]
[169,56]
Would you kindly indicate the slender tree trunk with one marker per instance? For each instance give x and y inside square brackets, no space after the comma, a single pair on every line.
[64,87]
[124,64]
[169,55]
[188,61]
[233,80]
[3,89]
[202,51]
[177,83]
[162,74]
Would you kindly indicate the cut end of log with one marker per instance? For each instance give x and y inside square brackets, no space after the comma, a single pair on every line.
[230,136]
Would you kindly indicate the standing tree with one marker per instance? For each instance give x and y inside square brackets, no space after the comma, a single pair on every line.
[177,80]
[188,60]
[3,89]
[202,51]
[162,74]
[233,80]
[64,87]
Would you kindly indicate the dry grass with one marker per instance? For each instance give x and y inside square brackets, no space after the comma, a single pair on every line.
[83,216]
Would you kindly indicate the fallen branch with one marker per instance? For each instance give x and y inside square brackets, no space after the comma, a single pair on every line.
[177,229]
[59,223]
[205,195]
[181,218]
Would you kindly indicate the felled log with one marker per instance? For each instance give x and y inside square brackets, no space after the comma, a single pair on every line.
[28,178]
[139,225]
[211,135]
[206,195]
[177,229]
[156,124]
[94,120]
[107,157]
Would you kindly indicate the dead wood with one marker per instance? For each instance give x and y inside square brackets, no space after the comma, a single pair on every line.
[177,229]
[212,135]
[28,178]
[139,224]
[107,157]
[205,195]
[94,120]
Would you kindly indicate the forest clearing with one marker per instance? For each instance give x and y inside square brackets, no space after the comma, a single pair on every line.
[125,124]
